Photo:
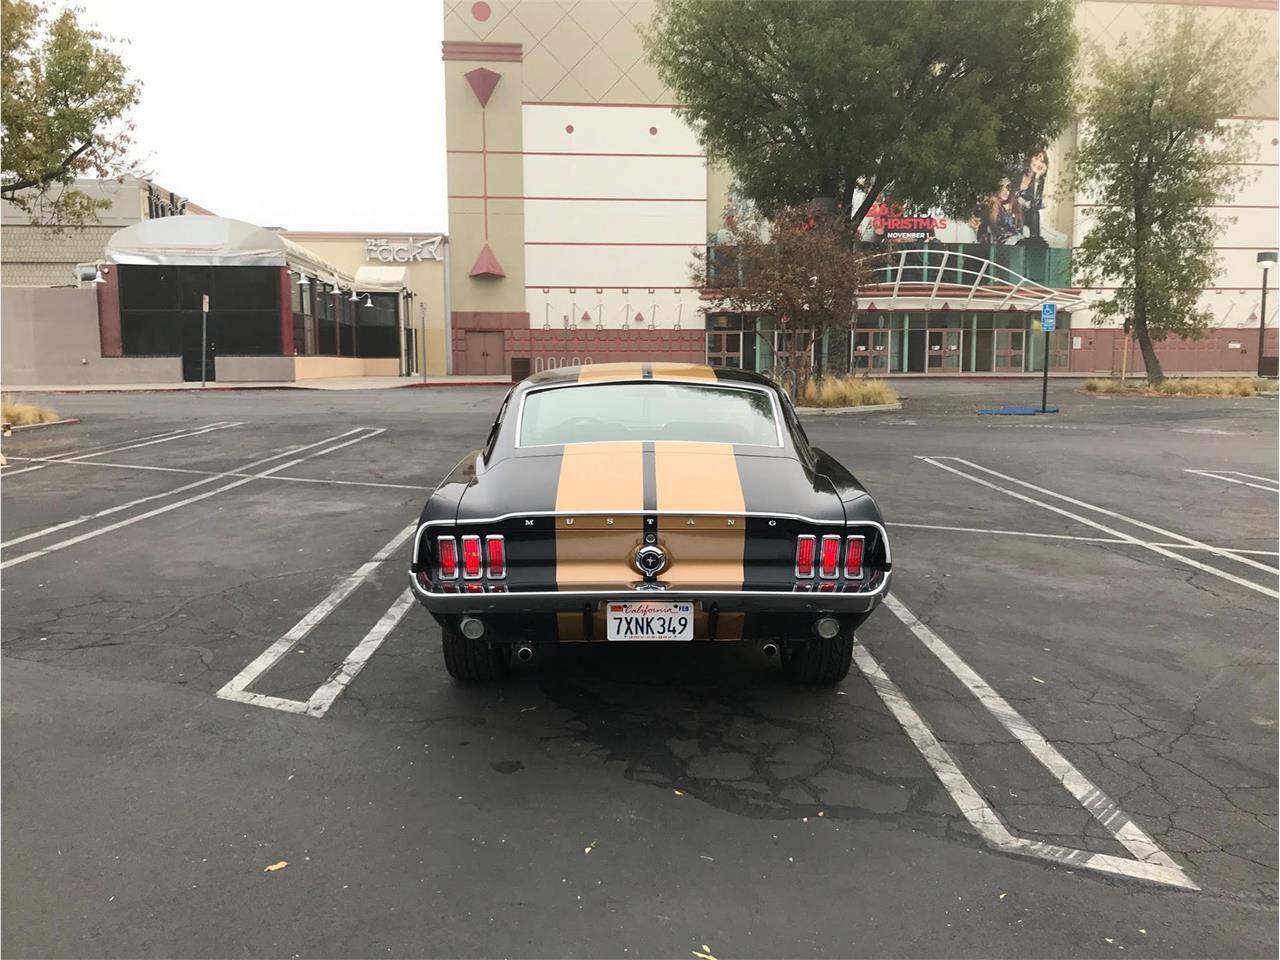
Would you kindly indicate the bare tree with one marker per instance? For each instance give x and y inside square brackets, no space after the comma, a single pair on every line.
[802,267]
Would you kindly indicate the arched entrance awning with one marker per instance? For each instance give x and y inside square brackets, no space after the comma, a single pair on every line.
[939,279]
[199,241]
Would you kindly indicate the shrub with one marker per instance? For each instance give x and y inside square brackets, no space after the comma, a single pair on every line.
[1185,387]
[20,414]
[846,392]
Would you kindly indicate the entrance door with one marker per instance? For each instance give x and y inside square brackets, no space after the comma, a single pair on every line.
[485,353]
[944,350]
[724,349]
[871,350]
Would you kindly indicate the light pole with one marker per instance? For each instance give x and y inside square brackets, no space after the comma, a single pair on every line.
[1266,259]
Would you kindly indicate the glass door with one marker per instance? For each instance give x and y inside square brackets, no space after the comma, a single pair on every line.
[1009,350]
[944,350]
[724,348]
[871,350]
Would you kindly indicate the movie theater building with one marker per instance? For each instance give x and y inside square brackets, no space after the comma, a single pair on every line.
[577,198]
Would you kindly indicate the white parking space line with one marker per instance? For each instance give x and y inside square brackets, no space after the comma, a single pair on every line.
[1180,538]
[103,449]
[1063,536]
[63,544]
[320,701]
[237,688]
[979,813]
[1271,486]
[214,473]
[1091,797]
[1134,541]
[209,478]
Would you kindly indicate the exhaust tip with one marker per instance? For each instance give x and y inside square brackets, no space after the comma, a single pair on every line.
[472,628]
[769,649]
[524,653]
[826,627]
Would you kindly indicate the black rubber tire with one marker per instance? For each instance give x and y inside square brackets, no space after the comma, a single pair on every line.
[474,661]
[819,661]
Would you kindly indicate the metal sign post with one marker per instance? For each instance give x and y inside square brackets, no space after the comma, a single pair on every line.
[1048,321]
[204,338]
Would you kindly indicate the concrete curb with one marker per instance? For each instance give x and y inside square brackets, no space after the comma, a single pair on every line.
[831,411]
[66,422]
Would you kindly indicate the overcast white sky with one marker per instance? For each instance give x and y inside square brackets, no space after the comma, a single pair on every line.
[305,114]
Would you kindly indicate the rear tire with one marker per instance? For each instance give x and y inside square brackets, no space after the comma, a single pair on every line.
[474,661]
[819,661]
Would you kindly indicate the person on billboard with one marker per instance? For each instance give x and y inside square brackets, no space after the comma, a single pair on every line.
[1002,216]
[1029,188]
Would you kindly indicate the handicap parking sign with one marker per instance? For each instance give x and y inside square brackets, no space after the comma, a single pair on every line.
[1048,317]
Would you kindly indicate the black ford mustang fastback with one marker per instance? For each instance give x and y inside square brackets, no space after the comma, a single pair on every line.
[649,502]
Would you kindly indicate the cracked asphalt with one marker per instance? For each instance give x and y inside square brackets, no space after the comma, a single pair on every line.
[632,801]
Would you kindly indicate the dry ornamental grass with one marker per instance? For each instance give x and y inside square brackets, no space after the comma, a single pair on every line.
[846,392]
[1185,387]
[21,414]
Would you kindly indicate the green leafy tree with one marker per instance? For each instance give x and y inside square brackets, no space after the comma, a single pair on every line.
[829,99]
[1154,154]
[63,101]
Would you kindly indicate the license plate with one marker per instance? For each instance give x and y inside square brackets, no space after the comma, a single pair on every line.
[649,621]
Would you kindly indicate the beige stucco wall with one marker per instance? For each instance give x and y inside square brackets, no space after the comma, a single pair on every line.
[254,369]
[473,222]
[49,337]
[315,368]
[426,281]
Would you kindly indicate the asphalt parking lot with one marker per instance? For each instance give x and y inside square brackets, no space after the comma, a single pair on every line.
[1059,739]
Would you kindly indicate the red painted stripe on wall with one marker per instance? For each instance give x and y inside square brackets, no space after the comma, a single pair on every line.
[575,103]
[492,196]
[584,153]
[608,243]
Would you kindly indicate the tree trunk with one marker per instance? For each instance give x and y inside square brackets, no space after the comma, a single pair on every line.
[1155,373]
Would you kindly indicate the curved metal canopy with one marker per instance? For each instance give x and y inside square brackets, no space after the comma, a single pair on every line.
[931,279]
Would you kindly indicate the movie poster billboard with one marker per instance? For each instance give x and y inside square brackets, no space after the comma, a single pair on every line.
[1016,211]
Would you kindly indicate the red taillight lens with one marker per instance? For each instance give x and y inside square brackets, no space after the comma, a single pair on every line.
[830,565]
[471,557]
[806,547]
[496,548]
[853,558]
[447,550]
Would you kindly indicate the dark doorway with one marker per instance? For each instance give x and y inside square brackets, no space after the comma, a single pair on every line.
[983,350]
[917,350]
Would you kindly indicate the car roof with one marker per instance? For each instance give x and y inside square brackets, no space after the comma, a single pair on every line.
[660,370]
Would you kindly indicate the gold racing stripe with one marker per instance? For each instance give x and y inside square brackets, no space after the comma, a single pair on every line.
[694,479]
[683,371]
[593,548]
[631,371]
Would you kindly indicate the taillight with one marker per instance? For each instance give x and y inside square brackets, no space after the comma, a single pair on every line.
[829,568]
[471,557]
[853,558]
[806,547]
[496,548]
[447,551]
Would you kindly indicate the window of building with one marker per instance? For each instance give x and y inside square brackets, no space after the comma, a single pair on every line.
[161,310]
[378,327]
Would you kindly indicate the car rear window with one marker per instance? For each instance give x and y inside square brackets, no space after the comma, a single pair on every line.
[649,410]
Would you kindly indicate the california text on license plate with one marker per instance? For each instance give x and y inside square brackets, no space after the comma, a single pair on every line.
[649,621]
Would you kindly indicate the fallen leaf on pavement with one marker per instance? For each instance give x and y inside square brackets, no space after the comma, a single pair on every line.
[279,865]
